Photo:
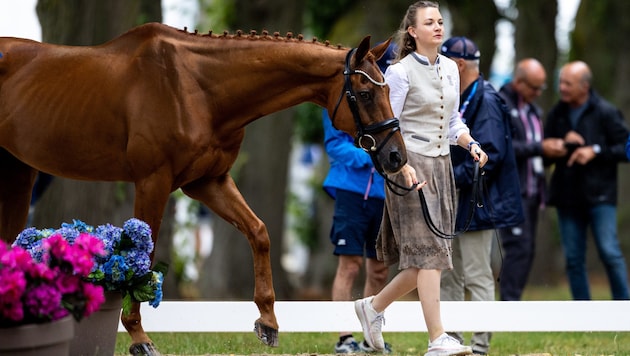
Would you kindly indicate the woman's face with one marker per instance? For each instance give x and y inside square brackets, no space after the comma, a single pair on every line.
[429,28]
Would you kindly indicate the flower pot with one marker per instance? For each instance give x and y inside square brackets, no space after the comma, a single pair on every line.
[96,334]
[51,339]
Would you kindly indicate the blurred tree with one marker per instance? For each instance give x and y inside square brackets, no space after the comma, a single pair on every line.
[538,41]
[476,20]
[600,39]
[82,23]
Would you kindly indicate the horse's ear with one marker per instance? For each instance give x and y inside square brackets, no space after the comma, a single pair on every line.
[379,50]
[362,50]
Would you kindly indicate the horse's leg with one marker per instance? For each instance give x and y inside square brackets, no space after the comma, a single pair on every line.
[222,197]
[151,196]
[16,183]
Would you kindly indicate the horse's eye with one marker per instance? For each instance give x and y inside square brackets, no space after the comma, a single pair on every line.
[365,95]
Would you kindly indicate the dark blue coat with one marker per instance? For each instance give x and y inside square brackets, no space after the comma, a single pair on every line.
[488,119]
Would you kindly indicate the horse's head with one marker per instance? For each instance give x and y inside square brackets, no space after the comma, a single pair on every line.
[366,113]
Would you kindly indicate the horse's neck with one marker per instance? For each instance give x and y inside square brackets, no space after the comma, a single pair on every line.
[275,73]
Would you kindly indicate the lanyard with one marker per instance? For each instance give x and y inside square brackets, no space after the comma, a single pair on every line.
[369,186]
[465,104]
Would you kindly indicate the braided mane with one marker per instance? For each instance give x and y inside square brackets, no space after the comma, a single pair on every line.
[253,35]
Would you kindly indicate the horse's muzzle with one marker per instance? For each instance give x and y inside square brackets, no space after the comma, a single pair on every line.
[394,161]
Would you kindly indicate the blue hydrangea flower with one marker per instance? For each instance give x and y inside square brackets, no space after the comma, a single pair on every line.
[78,225]
[140,234]
[156,280]
[110,235]
[68,234]
[138,261]
[116,269]
[27,238]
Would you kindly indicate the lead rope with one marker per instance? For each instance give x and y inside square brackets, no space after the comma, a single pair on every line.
[476,202]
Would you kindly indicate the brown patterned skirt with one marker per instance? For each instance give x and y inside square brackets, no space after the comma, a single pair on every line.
[404,237]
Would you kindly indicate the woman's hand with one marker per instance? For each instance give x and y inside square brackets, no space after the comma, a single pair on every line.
[411,180]
[478,154]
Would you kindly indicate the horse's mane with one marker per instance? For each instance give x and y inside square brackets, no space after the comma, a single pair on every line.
[153,28]
[253,35]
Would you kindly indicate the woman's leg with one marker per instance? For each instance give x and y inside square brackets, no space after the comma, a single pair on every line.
[403,283]
[428,281]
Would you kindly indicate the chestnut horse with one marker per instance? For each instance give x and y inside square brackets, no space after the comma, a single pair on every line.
[167,109]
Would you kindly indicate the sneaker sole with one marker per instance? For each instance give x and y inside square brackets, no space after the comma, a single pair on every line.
[449,353]
[360,311]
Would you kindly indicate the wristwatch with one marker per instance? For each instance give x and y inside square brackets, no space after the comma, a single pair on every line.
[597,149]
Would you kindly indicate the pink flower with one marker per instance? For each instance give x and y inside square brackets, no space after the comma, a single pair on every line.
[43,301]
[95,297]
[52,286]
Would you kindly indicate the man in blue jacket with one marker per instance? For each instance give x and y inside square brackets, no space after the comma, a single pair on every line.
[583,186]
[485,114]
[359,193]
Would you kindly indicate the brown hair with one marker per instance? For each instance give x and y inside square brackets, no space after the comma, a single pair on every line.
[406,43]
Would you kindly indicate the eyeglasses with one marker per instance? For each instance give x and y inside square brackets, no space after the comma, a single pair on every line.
[534,87]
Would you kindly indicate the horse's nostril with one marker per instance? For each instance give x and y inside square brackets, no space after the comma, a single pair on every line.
[395,157]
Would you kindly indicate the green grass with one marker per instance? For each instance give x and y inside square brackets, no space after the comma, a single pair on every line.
[502,344]
[569,343]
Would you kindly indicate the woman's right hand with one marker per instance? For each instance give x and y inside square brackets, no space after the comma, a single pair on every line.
[409,173]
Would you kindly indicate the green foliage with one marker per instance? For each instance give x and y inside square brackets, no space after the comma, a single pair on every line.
[308,127]
[217,15]
[321,15]
[304,225]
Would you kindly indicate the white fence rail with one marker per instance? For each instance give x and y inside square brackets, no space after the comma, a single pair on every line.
[401,316]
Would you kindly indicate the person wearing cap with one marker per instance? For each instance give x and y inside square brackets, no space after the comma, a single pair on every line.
[424,94]
[486,116]
[359,193]
[519,242]
[583,185]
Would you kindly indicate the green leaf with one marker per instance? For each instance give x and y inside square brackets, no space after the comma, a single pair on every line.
[143,293]
[161,267]
[126,303]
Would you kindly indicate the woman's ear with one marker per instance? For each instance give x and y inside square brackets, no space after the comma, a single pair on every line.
[411,31]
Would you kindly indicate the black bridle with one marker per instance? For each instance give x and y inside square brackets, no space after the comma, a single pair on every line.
[365,133]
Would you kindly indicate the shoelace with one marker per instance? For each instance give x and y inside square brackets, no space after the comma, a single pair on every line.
[380,318]
[444,340]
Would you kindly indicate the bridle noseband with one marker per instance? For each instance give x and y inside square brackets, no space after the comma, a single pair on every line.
[365,133]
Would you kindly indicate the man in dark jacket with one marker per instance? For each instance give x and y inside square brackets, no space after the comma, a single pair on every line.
[584,182]
[485,114]
[519,242]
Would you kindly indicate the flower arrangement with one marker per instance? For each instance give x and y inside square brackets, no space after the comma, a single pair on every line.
[125,265]
[49,284]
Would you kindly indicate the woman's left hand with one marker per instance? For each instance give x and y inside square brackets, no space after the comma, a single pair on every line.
[478,154]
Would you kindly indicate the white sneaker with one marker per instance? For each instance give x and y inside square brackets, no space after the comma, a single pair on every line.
[371,322]
[446,345]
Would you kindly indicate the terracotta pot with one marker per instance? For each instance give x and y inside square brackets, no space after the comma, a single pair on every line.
[38,339]
[96,334]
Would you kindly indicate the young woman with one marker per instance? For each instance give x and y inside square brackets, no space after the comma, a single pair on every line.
[424,94]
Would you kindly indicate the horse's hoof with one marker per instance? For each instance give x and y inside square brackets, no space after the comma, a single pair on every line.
[266,334]
[144,349]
